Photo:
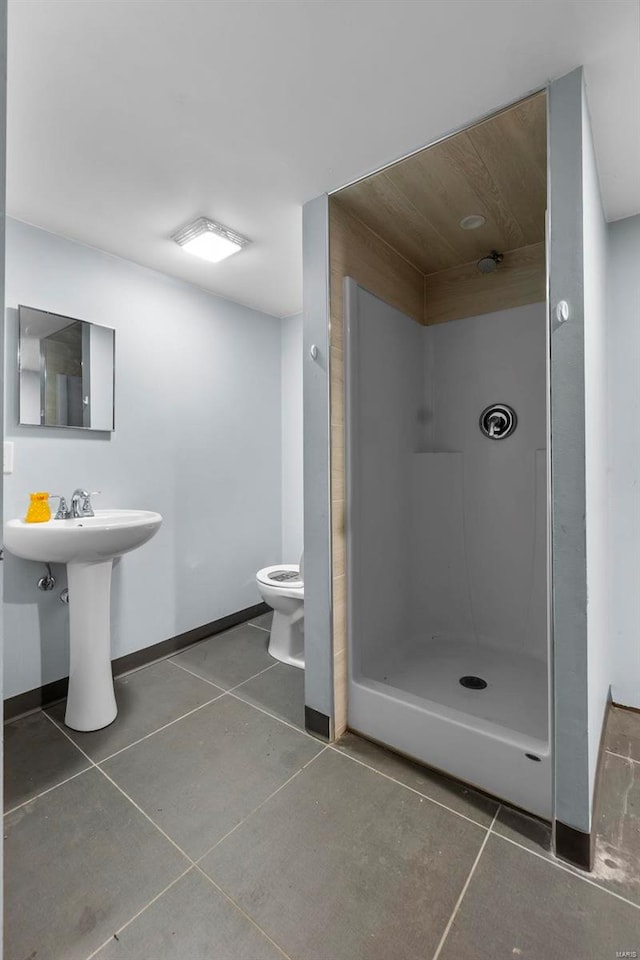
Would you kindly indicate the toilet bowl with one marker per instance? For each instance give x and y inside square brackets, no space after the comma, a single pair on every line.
[282,588]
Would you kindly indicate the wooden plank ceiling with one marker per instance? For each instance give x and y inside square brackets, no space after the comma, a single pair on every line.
[496,169]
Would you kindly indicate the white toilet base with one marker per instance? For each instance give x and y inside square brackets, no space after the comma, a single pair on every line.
[286,642]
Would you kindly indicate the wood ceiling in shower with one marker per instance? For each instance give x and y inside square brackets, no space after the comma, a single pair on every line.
[497,169]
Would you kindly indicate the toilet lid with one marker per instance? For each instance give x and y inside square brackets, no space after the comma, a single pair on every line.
[285,575]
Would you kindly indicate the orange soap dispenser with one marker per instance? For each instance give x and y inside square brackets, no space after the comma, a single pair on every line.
[39,510]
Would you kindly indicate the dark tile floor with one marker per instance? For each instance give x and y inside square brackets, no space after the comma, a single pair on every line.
[206,824]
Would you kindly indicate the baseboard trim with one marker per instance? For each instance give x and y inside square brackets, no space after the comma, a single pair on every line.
[574,846]
[623,706]
[57,690]
[319,724]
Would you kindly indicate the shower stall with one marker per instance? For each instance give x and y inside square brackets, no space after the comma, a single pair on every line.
[455,464]
[447,541]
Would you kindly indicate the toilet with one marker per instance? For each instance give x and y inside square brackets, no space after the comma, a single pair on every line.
[282,588]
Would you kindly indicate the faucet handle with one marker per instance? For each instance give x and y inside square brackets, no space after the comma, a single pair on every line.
[62,513]
[87,507]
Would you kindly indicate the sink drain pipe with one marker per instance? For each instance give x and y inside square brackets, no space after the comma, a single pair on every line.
[47,582]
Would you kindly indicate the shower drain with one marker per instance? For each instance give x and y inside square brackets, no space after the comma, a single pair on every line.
[473,683]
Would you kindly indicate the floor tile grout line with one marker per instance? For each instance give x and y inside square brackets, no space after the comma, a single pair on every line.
[259,674]
[141,911]
[621,756]
[176,653]
[554,862]
[140,739]
[196,675]
[164,726]
[260,805]
[330,746]
[96,763]
[130,799]
[214,684]
[274,716]
[93,764]
[240,909]
[258,627]
[183,716]
[193,863]
[467,882]
[189,713]
[291,726]
[166,835]
[65,734]
[146,816]
[573,871]
[43,793]
[406,786]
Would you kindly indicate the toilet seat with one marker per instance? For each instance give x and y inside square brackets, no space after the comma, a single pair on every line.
[283,577]
[282,588]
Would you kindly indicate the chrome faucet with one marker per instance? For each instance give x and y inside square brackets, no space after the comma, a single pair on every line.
[81,503]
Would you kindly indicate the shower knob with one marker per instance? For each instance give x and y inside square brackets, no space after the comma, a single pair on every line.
[498,421]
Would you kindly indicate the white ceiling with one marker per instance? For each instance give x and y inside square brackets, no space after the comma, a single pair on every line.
[127,118]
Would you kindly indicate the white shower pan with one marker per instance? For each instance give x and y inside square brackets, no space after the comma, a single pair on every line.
[494,738]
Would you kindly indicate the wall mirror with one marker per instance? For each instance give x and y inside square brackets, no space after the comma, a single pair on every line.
[66,371]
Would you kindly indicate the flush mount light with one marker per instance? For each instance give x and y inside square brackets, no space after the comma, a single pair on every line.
[473,221]
[209,240]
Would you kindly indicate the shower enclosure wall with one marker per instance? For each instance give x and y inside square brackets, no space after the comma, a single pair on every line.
[447,543]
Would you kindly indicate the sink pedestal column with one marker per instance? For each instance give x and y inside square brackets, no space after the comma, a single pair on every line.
[91,703]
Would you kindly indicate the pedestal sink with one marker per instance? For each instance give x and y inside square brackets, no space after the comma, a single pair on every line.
[88,546]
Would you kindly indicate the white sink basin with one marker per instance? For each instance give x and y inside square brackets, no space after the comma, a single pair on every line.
[87,545]
[88,539]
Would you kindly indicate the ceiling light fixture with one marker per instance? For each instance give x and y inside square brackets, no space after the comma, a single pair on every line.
[473,221]
[209,240]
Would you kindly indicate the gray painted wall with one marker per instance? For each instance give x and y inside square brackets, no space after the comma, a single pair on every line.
[623,429]
[318,632]
[292,439]
[194,376]
[571,755]
[577,257]
[595,239]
